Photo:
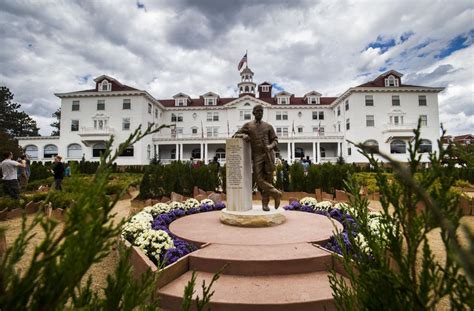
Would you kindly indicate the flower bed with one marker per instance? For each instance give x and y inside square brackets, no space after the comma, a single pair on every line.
[149,229]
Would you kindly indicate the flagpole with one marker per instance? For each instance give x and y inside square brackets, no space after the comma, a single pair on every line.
[247,62]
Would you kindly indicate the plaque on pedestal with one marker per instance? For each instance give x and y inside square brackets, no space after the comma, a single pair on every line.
[238,175]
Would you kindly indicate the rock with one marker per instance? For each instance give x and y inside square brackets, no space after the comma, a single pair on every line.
[154,201]
[327,196]
[319,194]
[164,199]
[32,207]
[253,218]
[195,192]
[341,196]
[200,197]
[216,197]
[202,192]
[148,202]
[58,214]
[3,214]
[14,213]
[176,197]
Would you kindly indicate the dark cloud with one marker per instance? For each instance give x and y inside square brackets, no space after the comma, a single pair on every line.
[430,78]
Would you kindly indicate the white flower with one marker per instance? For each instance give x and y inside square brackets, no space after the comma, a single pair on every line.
[136,226]
[309,201]
[176,205]
[344,207]
[209,202]
[191,203]
[157,209]
[323,206]
[154,242]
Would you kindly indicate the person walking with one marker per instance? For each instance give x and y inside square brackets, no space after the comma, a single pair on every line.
[10,175]
[58,171]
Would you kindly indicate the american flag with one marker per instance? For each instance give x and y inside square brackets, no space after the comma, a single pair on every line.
[242,61]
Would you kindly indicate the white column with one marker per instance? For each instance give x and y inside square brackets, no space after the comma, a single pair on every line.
[181,148]
[338,149]
[177,151]
[201,146]
[314,152]
[318,150]
[205,153]
[292,152]
[157,151]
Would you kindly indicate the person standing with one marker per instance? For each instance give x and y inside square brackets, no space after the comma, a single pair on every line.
[10,175]
[67,170]
[22,173]
[58,171]
[263,142]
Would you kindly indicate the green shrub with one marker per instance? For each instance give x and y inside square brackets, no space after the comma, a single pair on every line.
[10,203]
[40,171]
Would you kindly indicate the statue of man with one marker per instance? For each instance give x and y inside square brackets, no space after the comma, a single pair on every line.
[263,141]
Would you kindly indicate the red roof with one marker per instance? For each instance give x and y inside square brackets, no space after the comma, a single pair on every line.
[195,102]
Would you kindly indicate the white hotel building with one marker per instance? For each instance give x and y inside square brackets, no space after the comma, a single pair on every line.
[382,112]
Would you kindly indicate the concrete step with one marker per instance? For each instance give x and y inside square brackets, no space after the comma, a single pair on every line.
[303,291]
[260,259]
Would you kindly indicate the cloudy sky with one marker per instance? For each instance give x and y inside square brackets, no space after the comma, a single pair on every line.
[194,46]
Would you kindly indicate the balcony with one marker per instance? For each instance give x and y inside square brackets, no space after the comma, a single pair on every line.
[90,135]
[399,128]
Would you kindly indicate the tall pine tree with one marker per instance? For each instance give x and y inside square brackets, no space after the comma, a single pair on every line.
[57,123]
[13,123]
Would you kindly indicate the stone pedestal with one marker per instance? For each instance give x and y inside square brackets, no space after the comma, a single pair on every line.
[238,175]
[253,218]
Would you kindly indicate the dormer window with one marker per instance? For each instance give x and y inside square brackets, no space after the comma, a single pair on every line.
[265,88]
[391,81]
[180,102]
[283,100]
[313,100]
[210,101]
[105,86]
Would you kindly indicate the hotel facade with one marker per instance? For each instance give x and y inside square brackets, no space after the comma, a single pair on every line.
[381,113]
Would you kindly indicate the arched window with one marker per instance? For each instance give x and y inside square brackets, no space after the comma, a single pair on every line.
[425,146]
[372,145]
[31,151]
[173,154]
[247,88]
[253,89]
[196,153]
[241,89]
[398,146]
[105,86]
[74,151]
[299,152]
[50,151]
[98,149]
[220,153]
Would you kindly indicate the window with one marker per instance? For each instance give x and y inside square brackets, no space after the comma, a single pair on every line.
[372,146]
[31,151]
[421,100]
[283,100]
[98,149]
[323,152]
[245,115]
[209,102]
[196,153]
[194,131]
[300,129]
[105,86]
[75,105]
[369,100]
[156,113]
[126,124]
[348,124]
[149,108]
[369,121]
[391,81]
[313,100]
[212,131]
[212,116]
[220,154]
[398,146]
[321,131]
[338,110]
[339,127]
[315,115]
[349,151]
[321,115]
[101,104]
[282,131]
[50,151]
[176,117]
[126,105]
[425,146]
[173,154]
[74,151]
[74,125]
[127,152]
[395,100]
[396,120]
[282,115]
[424,120]
[299,153]
[347,105]
[265,88]
[181,102]
[100,124]
[148,151]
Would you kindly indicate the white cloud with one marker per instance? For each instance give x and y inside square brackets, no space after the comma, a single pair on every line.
[194,47]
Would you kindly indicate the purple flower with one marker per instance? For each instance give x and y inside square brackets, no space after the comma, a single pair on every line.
[305,208]
[178,212]
[296,205]
[288,207]
[192,211]
[218,206]
[206,208]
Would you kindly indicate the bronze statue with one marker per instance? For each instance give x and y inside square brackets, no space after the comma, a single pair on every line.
[263,141]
